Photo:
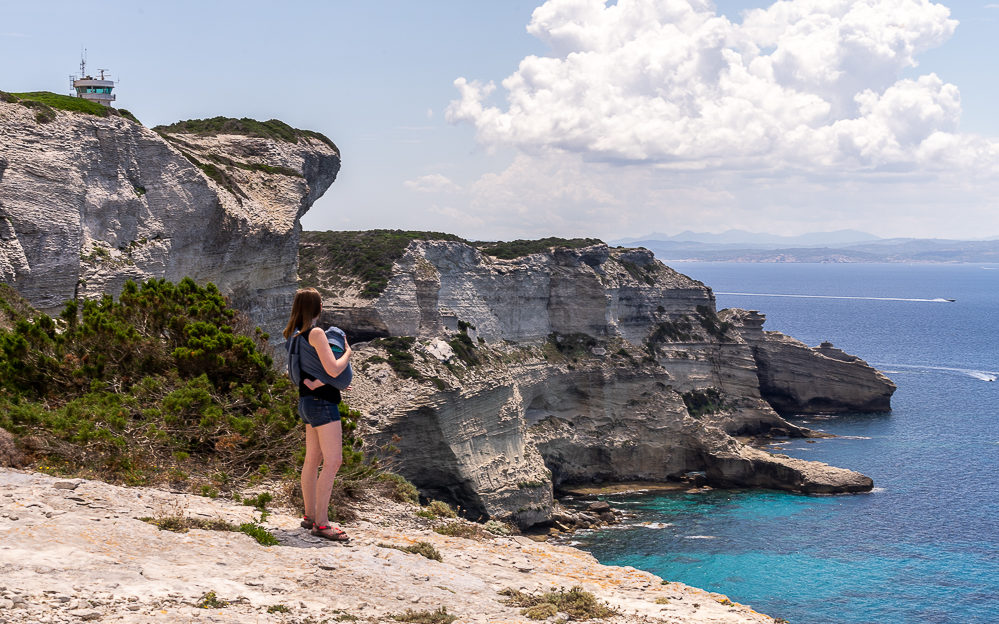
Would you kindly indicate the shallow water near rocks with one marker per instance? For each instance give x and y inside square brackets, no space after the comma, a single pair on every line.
[924,545]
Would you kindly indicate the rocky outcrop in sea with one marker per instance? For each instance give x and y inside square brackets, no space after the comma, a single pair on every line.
[89,202]
[578,366]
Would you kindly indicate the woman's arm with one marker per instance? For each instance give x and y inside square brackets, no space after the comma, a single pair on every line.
[333,366]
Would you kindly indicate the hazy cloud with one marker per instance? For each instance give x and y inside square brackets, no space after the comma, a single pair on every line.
[433,183]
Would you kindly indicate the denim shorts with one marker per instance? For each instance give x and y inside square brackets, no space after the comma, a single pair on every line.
[317,412]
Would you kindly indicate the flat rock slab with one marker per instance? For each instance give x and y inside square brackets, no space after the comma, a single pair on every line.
[116,568]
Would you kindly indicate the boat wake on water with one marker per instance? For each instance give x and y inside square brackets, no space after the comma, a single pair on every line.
[936,300]
[977,374]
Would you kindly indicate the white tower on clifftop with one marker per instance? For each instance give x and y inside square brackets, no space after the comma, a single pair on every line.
[90,88]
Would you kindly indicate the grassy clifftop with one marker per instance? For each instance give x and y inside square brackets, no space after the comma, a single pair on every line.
[270,129]
[330,261]
[45,103]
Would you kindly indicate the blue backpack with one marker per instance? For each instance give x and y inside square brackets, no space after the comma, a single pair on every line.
[303,357]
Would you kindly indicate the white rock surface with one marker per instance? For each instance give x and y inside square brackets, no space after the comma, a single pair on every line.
[105,565]
[87,203]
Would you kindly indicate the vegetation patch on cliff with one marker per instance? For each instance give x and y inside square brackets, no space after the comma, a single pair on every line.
[568,346]
[270,129]
[45,103]
[574,603]
[166,384]
[462,345]
[709,320]
[519,248]
[331,261]
[704,401]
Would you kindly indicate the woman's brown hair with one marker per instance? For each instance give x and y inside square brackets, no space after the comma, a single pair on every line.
[306,307]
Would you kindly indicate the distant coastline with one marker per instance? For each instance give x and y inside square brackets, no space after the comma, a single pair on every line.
[893,250]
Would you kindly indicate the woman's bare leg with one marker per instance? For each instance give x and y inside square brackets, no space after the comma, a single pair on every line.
[310,468]
[331,442]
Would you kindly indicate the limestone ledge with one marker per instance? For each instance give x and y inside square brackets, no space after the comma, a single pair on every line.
[74,550]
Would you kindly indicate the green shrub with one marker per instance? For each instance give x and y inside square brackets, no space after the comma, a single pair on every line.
[400,488]
[129,116]
[703,401]
[710,322]
[440,616]
[425,549]
[467,530]
[463,347]
[165,379]
[575,603]
[400,356]
[677,330]
[211,601]
[440,509]
[572,346]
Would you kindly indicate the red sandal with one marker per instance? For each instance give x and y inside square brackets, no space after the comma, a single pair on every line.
[307,522]
[332,533]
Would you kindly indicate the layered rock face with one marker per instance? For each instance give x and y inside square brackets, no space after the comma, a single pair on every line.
[87,203]
[796,379]
[584,365]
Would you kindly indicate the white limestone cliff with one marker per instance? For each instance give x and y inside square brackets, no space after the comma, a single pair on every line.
[595,365]
[89,202]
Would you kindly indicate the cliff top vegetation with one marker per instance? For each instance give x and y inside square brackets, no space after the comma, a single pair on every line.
[328,261]
[270,129]
[511,250]
[44,102]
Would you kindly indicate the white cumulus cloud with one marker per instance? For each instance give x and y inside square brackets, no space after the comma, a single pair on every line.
[803,83]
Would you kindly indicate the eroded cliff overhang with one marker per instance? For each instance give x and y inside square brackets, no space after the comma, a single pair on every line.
[89,202]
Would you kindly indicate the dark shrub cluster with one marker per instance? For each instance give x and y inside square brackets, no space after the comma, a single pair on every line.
[703,401]
[166,380]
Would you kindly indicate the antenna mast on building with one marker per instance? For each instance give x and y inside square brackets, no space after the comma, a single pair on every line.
[90,88]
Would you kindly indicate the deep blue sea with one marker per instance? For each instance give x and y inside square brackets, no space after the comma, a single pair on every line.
[923,547]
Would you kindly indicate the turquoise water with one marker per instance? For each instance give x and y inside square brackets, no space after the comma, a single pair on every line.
[924,546]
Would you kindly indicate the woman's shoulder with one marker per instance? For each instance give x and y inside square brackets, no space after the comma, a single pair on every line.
[316,335]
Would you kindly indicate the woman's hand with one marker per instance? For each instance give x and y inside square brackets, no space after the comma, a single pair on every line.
[312,384]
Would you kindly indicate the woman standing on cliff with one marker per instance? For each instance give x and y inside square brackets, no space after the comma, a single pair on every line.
[319,407]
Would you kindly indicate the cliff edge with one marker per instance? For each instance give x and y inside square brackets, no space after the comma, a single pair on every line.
[88,202]
[501,379]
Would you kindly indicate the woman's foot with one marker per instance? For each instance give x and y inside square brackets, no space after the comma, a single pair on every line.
[332,533]
[307,522]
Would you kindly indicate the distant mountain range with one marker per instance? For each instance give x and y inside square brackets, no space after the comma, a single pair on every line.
[839,246]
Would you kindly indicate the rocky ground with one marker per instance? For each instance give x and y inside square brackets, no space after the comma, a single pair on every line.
[75,550]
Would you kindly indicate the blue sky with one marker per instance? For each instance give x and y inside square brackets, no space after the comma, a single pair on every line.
[790,149]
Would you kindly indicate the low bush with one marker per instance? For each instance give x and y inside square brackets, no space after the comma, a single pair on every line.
[425,549]
[703,401]
[166,380]
[440,616]
[575,603]
[468,530]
